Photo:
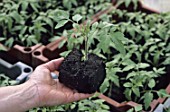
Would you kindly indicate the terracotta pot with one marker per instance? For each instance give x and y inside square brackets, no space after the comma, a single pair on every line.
[23,54]
[122,107]
[46,53]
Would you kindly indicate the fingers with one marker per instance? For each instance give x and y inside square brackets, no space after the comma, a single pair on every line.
[53,65]
[78,96]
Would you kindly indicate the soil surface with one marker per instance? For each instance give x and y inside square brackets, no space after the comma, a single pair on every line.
[84,76]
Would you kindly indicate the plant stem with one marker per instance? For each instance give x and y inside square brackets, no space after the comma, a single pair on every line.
[110,90]
[86,48]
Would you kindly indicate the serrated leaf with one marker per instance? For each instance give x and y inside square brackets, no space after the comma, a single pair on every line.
[104,44]
[77,17]
[151,83]
[118,44]
[61,23]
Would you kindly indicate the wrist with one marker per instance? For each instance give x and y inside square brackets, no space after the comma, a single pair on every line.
[28,96]
[18,98]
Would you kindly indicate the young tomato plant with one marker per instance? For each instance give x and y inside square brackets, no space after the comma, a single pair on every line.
[104,33]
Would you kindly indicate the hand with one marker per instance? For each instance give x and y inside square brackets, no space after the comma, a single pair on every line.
[50,91]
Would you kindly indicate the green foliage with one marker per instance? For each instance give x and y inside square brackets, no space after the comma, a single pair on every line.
[128,2]
[6,81]
[147,54]
[30,22]
[87,105]
[88,33]
[135,47]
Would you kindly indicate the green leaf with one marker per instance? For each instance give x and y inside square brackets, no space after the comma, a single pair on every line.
[148,97]
[65,53]
[129,67]
[61,44]
[60,15]
[114,79]
[2,48]
[156,58]
[118,43]
[131,110]
[127,84]
[128,62]
[152,48]
[132,74]
[167,61]
[77,17]
[61,23]
[143,65]
[104,86]
[16,16]
[2,39]
[138,108]
[9,42]
[162,93]
[105,107]
[34,6]
[104,44]
[151,83]
[32,39]
[127,2]
[23,30]
[136,91]
[128,93]
[73,106]
[49,21]
[54,38]
[24,5]
[120,36]
[10,22]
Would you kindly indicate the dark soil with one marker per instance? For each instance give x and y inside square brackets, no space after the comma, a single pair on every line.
[84,76]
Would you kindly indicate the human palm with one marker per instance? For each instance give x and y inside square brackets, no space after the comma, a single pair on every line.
[51,91]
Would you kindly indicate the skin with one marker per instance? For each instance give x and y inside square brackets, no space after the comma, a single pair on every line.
[40,90]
